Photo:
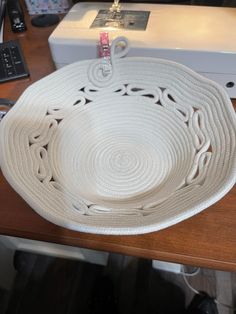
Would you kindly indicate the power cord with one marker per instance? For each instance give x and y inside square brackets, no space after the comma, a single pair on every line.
[5,106]
[194,273]
[185,275]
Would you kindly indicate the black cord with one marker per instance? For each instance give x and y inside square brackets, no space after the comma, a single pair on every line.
[6,102]
[2,12]
[5,106]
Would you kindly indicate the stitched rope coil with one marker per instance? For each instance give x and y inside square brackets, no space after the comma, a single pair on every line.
[142,149]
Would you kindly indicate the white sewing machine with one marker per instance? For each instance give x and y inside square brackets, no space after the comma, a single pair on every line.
[203,38]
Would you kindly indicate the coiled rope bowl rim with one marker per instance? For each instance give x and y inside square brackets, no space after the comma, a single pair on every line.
[149,145]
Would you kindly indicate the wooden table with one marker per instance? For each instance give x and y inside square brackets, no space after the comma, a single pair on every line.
[207,240]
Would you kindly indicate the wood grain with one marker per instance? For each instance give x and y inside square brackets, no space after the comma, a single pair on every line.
[207,240]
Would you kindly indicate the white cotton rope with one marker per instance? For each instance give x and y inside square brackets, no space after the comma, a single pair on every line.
[146,146]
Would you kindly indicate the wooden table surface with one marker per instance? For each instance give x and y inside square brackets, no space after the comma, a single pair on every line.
[208,239]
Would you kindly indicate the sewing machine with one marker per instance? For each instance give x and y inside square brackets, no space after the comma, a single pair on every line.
[202,38]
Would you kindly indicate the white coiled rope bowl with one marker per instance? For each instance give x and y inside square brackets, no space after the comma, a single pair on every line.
[133,151]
